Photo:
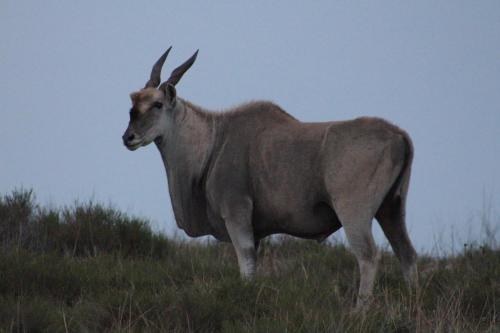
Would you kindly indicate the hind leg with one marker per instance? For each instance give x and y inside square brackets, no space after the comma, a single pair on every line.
[360,238]
[391,217]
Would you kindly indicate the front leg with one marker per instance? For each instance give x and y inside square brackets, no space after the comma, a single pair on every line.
[238,221]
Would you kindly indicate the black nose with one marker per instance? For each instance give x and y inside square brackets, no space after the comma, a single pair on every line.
[127,138]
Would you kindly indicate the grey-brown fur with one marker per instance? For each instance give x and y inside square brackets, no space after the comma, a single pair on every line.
[255,170]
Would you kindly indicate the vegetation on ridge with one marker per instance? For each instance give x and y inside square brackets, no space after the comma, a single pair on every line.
[90,268]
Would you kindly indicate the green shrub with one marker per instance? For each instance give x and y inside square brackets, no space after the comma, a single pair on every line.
[82,230]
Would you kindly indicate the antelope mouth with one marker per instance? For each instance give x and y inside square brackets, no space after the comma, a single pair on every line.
[133,145]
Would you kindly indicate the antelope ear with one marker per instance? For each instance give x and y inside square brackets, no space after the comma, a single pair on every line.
[169,91]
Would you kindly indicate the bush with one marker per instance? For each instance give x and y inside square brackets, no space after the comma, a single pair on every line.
[82,230]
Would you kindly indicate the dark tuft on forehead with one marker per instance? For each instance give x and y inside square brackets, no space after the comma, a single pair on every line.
[142,99]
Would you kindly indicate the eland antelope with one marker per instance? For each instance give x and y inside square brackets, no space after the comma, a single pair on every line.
[254,170]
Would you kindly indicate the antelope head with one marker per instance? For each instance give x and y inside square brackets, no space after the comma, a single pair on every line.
[154,105]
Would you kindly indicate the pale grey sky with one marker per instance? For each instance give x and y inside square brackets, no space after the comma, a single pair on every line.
[431,67]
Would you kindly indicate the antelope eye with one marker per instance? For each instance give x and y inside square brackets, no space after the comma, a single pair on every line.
[134,114]
[158,105]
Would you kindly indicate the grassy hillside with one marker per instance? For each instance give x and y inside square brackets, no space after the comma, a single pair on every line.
[89,268]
